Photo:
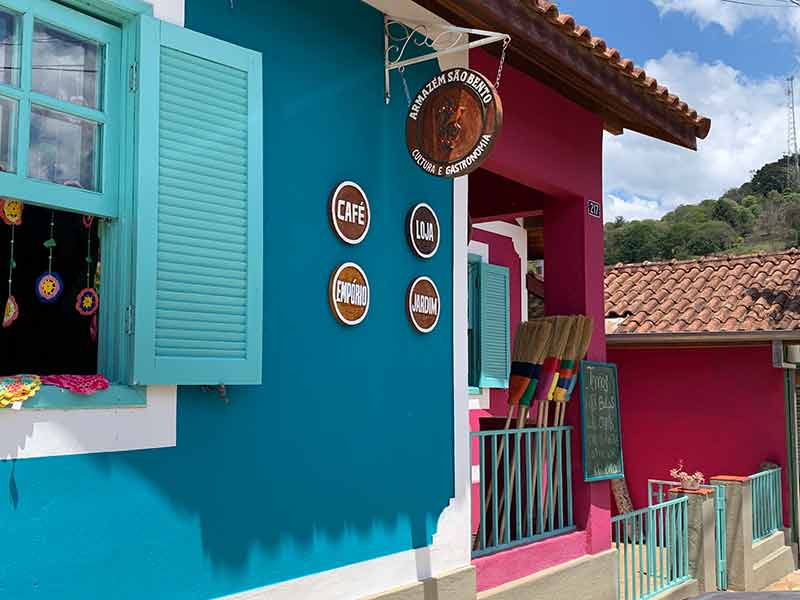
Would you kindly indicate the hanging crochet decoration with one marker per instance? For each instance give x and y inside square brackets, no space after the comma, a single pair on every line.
[80,384]
[88,300]
[11,211]
[18,388]
[11,312]
[49,285]
[11,214]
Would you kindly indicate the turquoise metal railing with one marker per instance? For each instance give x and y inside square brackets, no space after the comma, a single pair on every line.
[525,486]
[657,491]
[767,503]
[653,548]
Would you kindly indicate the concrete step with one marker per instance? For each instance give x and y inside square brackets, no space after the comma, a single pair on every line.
[773,567]
[768,545]
[688,589]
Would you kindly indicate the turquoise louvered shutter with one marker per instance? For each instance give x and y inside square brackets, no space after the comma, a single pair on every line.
[473,319]
[493,326]
[199,226]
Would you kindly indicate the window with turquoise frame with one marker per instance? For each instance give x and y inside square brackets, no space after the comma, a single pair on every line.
[489,325]
[154,129]
[60,108]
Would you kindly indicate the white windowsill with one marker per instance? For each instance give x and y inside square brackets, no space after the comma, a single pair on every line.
[61,432]
[480,401]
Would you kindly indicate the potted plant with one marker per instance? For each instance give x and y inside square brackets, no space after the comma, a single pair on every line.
[688,482]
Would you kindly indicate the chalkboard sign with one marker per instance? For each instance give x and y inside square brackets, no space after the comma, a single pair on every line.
[601,437]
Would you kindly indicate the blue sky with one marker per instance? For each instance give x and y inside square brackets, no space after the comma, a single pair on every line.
[728,61]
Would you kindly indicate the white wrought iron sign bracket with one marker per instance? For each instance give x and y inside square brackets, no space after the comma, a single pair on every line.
[400,34]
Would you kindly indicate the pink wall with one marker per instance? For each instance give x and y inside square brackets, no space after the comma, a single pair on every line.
[547,143]
[556,148]
[719,409]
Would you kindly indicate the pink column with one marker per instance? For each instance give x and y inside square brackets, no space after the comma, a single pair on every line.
[573,243]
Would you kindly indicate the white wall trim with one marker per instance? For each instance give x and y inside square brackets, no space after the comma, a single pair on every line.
[482,401]
[56,432]
[174,11]
[519,238]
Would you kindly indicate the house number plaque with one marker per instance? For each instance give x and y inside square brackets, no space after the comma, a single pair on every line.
[349,294]
[423,231]
[349,212]
[423,304]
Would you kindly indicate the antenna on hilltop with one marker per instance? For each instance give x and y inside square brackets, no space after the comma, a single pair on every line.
[792,158]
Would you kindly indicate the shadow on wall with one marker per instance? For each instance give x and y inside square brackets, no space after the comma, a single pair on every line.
[346,452]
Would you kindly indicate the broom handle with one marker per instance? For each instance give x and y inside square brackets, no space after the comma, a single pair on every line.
[501,506]
[488,495]
[558,421]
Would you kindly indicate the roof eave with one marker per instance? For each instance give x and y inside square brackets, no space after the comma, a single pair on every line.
[547,54]
[700,337]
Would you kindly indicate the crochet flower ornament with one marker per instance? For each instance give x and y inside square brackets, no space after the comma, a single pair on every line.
[11,211]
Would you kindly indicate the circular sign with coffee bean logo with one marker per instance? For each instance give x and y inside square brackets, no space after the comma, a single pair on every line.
[423,231]
[349,212]
[423,304]
[348,294]
[453,123]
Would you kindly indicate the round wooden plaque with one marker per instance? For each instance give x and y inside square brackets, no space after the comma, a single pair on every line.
[453,123]
[349,294]
[349,212]
[423,231]
[423,304]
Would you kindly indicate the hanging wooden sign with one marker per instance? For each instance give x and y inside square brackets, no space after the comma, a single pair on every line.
[349,212]
[453,123]
[349,294]
[423,231]
[423,304]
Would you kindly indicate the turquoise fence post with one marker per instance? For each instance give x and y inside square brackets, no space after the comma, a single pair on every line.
[570,517]
[495,493]
[539,482]
[529,485]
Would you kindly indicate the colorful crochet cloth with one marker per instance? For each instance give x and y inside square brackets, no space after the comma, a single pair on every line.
[80,384]
[18,388]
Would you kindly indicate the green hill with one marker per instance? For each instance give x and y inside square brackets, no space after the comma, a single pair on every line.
[761,215]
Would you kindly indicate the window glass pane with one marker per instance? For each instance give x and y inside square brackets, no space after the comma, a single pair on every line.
[66,67]
[8,134]
[9,48]
[64,149]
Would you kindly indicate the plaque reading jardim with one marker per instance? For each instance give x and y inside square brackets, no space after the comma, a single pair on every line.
[423,304]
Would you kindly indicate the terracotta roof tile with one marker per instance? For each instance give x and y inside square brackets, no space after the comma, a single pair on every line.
[719,293]
[566,24]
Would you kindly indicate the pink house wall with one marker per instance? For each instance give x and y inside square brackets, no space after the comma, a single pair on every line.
[720,409]
[555,147]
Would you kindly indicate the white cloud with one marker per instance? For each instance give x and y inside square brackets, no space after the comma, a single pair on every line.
[730,16]
[748,129]
[633,208]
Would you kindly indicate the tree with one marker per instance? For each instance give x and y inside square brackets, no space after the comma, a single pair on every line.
[638,241]
[735,215]
[770,177]
[710,238]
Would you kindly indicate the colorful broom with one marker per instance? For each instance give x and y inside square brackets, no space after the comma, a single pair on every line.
[521,371]
[562,329]
[530,345]
[539,333]
[576,349]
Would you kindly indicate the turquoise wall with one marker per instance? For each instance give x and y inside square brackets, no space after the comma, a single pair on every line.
[346,452]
